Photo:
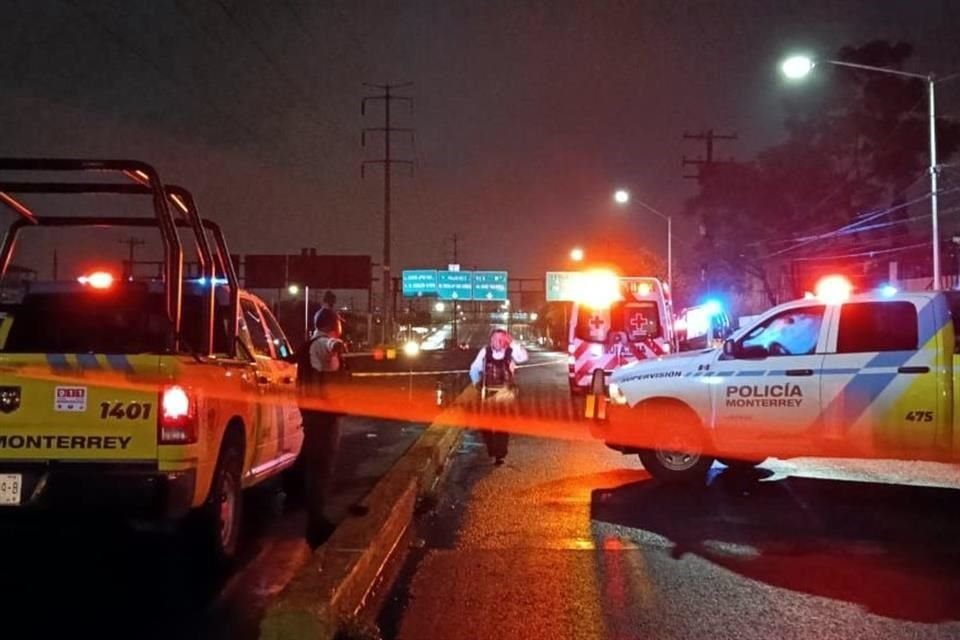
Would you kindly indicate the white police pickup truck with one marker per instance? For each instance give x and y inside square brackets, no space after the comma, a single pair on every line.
[872,376]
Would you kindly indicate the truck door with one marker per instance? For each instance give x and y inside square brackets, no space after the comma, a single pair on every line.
[289,420]
[266,439]
[767,389]
[880,383]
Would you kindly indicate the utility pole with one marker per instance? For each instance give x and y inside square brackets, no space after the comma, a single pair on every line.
[387,97]
[132,244]
[703,164]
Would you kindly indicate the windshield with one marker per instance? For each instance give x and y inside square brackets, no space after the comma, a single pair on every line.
[638,320]
[88,322]
[122,321]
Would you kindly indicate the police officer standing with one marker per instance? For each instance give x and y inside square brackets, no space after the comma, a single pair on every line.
[319,364]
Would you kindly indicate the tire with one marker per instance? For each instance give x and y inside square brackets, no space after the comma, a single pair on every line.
[735,464]
[216,532]
[678,452]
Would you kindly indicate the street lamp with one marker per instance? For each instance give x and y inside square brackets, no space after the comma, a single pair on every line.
[623,197]
[293,290]
[439,307]
[798,67]
[576,254]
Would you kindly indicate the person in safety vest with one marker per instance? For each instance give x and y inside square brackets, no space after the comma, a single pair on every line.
[494,371]
[320,362]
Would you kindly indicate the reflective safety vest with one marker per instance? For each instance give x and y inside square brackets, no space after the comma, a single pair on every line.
[498,373]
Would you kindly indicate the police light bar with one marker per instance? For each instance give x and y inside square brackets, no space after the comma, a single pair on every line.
[834,289]
[97,280]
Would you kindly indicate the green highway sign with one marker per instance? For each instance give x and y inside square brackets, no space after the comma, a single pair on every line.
[419,282]
[490,285]
[560,285]
[455,285]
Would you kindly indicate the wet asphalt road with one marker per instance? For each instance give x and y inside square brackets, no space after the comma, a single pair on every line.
[89,577]
[570,540]
[102,579]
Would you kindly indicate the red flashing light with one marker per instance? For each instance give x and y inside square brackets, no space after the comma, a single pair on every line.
[834,289]
[177,419]
[97,280]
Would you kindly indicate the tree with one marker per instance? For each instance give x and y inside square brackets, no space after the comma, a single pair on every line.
[859,144]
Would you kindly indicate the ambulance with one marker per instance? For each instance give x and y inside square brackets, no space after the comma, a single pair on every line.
[614,321]
[869,375]
[158,399]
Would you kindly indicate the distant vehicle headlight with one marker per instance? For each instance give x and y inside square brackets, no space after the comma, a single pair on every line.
[411,348]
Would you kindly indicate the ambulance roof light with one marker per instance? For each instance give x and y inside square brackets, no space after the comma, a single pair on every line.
[97,280]
[888,291]
[597,289]
[834,289]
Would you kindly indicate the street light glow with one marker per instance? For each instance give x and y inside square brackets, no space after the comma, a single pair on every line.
[439,307]
[576,254]
[293,289]
[621,196]
[797,67]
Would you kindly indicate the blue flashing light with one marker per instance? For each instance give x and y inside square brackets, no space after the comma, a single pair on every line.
[203,281]
[713,307]
[888,291]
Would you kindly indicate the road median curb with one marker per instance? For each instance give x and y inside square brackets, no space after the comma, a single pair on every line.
[338,577]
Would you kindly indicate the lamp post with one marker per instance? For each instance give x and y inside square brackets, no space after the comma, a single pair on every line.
[798,67]
[623,198]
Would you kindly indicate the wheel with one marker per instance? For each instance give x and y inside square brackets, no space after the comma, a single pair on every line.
[735,464]
[216,531]
[677,454]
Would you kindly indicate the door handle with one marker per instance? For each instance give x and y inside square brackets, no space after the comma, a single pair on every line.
[799,372]
[287,379]
[913,370]
[262,379]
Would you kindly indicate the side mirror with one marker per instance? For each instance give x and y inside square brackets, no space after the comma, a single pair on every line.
[752,352]
[729,348]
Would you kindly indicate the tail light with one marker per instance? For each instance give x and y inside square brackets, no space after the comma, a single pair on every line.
[177,418]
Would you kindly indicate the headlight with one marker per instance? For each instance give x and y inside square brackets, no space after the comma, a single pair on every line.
[616,394]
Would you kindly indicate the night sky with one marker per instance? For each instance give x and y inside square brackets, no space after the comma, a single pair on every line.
[527,113]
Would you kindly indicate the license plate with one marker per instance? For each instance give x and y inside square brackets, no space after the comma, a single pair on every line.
[11,488]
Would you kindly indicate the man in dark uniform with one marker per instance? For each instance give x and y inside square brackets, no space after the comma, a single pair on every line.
[319,364]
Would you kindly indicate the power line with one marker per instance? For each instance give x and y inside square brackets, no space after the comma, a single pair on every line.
[863,254]
[853,225]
